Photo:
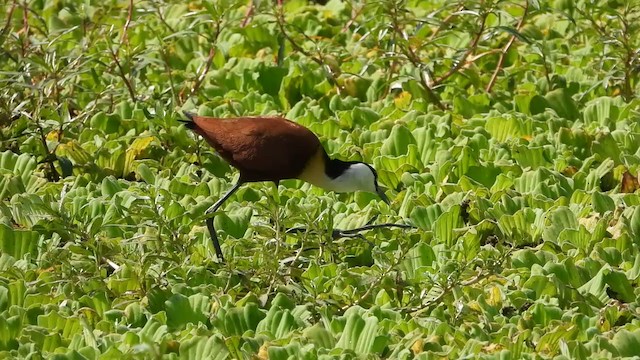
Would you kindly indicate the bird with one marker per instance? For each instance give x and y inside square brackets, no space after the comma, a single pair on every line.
[270,149]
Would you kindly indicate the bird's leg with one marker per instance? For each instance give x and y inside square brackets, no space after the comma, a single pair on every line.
[276,193]
[214,208]
[276,214]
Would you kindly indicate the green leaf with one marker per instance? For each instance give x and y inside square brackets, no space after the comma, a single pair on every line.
[627,342]
[236,321]
[361,334]
[320,336]
[278,323]
[425,217]
[602,111]
[417,260]
[561,101]
[18,243]
[182,310]
[202,347]
[504,128]
[606,147]
[558,220]
[446,224]
[398,142]
[66,326]
[635,222]
[602,203]
[146,174]
[514,32]
[4,298]
[234,222]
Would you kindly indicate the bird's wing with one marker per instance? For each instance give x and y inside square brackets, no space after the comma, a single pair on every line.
[261,148]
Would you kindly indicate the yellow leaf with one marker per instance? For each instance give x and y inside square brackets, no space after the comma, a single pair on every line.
[135,149]
[629,183]
[263,353]
[53,136]
[75,151]
[417,346]
[403,100]
[495,296]
[473,305]
[570,170]
[140,144]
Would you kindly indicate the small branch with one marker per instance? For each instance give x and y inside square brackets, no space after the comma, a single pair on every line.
[168,68]
[506,48]
[5,30]
[422,308]
[163,21]
[627,89]
[122,74]
[207,66]
[375,284]
[249,14]
[354,15]
[111,264]
[25,28]
[464,59]
[124,38]
[416,62]
[317,59]
[49,157]
[446,21]
[425,84]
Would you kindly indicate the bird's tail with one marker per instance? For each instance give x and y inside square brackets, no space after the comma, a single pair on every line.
[189,121]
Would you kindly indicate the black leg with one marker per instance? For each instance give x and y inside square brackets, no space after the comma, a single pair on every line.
[214,208]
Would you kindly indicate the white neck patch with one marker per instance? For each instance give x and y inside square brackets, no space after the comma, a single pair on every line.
[357,177]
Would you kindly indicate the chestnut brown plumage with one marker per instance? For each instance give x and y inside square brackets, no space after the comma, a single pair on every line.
[274,149]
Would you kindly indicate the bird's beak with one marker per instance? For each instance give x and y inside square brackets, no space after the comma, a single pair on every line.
[383,197]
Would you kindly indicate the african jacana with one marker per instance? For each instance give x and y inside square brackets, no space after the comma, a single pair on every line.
[274,149]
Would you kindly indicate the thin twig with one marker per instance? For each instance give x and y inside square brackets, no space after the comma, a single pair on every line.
[506,48]
[464,59]
[249,14]
[354,15]
[319,59]
[422,308]
[168,68]
[9,17]
[122,74]
[446,21]
[163,21]
[375,284]
[207,66]
[416,62]
[25,28]
[50,157]
[124,38]
[296,47]
[481,275]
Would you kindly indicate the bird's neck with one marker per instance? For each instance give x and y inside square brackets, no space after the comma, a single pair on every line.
[334,167]
[323,171]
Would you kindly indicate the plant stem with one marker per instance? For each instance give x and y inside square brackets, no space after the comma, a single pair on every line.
[506,48]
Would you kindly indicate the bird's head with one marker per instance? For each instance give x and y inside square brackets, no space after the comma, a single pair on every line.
[358,176]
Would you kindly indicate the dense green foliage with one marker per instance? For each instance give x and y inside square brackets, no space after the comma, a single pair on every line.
[508,133]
